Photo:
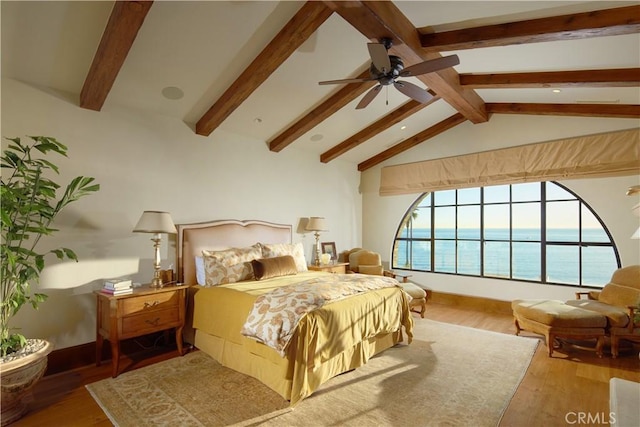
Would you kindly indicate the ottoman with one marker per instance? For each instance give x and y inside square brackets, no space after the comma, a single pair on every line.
[418,296]
[553,319]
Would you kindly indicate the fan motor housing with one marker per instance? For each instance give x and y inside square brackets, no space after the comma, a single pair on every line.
[386,79]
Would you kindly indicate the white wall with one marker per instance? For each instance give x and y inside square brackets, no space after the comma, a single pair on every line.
[152,162]
[155,162]
[382,215]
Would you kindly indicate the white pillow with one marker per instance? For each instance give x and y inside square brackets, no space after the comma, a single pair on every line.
[200,271]
[296,250]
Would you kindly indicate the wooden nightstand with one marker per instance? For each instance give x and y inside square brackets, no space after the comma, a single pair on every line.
[339,267]
[142,312]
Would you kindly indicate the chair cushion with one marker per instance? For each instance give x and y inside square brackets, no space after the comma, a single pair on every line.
[363,257]
[558,314]
[414,290]
[375,270]
[627,276]
[616,316]
[620,295]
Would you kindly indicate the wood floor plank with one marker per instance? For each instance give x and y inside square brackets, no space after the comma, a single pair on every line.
[552,391]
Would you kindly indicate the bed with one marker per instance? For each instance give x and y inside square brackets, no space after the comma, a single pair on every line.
[337,337]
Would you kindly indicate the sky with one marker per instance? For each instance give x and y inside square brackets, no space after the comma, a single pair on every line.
[562,208]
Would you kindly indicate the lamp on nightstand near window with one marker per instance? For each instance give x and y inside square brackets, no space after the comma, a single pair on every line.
[157,223]
[316,224]
[633,190]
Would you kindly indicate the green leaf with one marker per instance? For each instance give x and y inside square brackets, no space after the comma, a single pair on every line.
[30,202]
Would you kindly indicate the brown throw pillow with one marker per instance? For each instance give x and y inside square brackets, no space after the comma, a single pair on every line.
[267,268]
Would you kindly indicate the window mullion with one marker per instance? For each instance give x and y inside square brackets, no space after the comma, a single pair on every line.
[543,232]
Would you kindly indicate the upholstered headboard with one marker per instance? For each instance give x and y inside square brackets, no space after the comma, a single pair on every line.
[222,234]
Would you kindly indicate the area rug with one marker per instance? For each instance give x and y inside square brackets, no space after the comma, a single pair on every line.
[449,376]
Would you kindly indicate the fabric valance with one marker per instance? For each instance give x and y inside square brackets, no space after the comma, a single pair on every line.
[600,155]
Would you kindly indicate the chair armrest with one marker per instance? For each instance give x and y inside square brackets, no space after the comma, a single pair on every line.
[403,276]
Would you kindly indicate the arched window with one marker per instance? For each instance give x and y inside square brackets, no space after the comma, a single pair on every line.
[538,232]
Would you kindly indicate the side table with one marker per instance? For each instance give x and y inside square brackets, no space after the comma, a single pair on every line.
[339,267]
[142,312]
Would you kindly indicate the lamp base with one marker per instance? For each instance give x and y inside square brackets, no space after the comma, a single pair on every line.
[157,279]
[316,262]
[156,282]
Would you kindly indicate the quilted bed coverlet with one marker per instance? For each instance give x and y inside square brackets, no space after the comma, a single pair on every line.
[320,335]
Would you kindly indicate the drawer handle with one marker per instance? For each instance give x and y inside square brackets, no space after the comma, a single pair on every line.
[153,322]
[151,304]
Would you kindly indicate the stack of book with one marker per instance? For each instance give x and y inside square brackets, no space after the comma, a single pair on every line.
[120,286]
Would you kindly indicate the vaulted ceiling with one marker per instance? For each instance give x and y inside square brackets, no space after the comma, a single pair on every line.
[252,68]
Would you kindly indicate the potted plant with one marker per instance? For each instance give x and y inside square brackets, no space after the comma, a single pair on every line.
[29,204]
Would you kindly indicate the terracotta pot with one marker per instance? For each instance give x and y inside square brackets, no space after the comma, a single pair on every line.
[17,378]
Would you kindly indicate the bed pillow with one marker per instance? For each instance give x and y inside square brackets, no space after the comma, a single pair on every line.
[200,275]
[230,265]
[296,250]
[266,268]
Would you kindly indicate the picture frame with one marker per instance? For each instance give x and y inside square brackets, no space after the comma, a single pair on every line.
[330,248]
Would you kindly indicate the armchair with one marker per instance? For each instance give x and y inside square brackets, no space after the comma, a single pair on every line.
[367,262]
[619,302]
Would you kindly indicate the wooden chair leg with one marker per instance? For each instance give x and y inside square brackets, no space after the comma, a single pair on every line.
[599,346]
[615,341]
[517,325]
[550,340]
[424,308]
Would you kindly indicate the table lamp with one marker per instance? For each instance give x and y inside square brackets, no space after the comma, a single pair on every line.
[316,224]
[157,223]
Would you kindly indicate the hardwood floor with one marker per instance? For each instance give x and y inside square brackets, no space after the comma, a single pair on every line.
[554,392]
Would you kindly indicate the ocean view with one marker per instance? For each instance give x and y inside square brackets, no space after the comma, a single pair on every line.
[563,261]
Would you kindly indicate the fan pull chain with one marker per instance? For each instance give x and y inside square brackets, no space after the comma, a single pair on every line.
[387,93]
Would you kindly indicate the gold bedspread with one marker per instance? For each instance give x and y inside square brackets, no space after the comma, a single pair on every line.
[340,336]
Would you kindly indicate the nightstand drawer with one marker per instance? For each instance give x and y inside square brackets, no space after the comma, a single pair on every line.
[339,269]
[151,321]
[157,301]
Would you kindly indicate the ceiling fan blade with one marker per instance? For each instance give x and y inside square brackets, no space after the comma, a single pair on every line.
[368,97]
[413,92]
[430,66]
[379,57]
[343,81]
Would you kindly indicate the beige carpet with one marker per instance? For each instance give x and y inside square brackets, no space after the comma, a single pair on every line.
[449,376]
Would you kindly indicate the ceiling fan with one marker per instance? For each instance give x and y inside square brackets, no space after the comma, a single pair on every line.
[387,68]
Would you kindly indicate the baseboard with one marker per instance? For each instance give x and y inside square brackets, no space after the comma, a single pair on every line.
[470,302]
[82,355]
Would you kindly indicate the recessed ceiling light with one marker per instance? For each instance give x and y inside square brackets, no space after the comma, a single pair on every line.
[317,137]
[403,127]
[172,92]
[556,91]
[257,120]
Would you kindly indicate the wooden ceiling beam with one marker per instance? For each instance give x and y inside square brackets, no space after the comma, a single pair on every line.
[382,19]
[339,99]
[418,138]
[303,24]
[394,117]
[122,28]
[625,111]
[622,77]
[599,23]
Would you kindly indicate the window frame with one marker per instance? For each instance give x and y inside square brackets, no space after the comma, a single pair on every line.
[543,241]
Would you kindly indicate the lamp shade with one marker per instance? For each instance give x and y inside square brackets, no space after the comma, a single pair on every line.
[316,223]
[155,222]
